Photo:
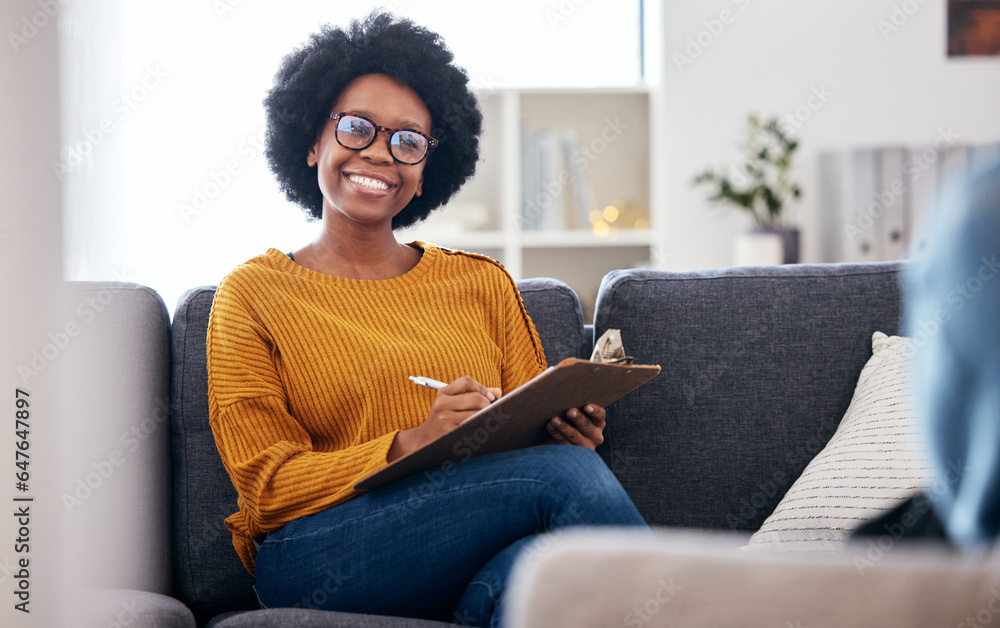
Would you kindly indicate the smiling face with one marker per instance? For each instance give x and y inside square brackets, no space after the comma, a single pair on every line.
[368,187]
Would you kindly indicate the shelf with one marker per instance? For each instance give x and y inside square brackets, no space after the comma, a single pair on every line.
[472,240]
[583,238]
[557,150]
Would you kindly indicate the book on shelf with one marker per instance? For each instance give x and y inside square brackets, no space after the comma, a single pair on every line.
[556,193]
[582,197]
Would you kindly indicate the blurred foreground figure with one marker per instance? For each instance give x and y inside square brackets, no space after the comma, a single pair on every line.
[952,311]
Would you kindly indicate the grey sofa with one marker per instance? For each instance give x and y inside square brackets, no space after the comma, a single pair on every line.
[757,362]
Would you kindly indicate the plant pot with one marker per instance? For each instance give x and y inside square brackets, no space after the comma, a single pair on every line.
[752,250]
[758,248]
[790,244]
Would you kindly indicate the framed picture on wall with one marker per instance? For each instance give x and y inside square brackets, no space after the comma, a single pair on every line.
[973,28]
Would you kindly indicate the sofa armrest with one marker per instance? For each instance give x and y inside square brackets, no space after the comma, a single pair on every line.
[114,490]
[678,579]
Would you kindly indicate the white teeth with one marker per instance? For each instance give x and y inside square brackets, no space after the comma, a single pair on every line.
[371,184]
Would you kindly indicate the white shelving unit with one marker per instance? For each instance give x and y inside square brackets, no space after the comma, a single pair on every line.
[613,161]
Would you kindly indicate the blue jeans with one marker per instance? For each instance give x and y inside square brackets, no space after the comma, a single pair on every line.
[438,545]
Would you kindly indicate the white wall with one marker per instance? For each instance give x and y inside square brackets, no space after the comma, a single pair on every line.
[891,88]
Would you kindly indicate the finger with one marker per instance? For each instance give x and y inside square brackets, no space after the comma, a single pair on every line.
[594,410]
[597,414]
[580,421]
[555,433]
[567,430]
[581,431]
[462,402]
[467,384]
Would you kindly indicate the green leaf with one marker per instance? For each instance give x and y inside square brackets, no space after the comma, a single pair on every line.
[768,152]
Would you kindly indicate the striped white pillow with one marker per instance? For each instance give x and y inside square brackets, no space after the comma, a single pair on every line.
[871,464]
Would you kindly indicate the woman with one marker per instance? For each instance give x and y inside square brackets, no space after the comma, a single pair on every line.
[308,354]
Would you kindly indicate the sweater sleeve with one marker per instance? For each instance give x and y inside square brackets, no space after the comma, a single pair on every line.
[524,357]
[267,453]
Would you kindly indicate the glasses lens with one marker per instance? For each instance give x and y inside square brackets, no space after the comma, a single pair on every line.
[355,132]
[408,147]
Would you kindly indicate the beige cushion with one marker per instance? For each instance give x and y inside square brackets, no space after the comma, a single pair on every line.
[872,463]
[584,579]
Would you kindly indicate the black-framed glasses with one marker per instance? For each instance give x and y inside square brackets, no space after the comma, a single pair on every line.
[357,132]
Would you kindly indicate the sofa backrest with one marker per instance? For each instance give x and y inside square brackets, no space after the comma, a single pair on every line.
[759,366]
[209,576]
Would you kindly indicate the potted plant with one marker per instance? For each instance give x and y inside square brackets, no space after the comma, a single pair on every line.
[762,187]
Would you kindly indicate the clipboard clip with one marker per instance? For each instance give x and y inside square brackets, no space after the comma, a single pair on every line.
[622,360]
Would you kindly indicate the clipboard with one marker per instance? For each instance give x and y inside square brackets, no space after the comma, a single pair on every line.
[518,419]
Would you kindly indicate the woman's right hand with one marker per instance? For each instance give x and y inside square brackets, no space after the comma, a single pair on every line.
[453,404]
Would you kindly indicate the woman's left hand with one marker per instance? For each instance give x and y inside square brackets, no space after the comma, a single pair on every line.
[584,426]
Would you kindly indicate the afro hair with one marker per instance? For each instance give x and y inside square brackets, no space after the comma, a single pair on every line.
[311,78]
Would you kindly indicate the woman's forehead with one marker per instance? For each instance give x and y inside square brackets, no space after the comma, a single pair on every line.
[386,101]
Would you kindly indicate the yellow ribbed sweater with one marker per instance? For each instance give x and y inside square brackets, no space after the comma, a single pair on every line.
[307,372]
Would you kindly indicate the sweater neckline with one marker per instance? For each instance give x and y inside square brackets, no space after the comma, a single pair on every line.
[423,266]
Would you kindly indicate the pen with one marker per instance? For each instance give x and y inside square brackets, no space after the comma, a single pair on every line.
[428,382]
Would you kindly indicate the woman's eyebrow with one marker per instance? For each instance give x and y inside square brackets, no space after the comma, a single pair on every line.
[410,124]
[404,123]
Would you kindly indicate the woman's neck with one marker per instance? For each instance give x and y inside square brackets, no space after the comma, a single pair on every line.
[359,255]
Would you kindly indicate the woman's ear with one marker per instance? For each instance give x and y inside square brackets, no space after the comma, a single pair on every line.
[420,186]
[311,156]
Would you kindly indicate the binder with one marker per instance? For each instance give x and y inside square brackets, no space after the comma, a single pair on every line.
[518,419]
[894,200]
